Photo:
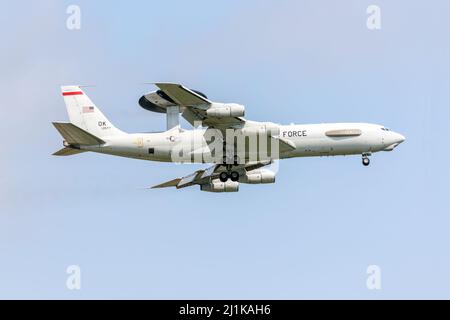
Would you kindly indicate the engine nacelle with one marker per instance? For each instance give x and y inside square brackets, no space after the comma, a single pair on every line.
[226,110]
[217,186]
[258,176]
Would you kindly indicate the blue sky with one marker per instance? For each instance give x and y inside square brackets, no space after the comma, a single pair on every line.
[310,235]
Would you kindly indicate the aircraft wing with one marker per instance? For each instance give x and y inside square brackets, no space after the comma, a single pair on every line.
[195,106]
[182,95]
[197,177]
[204,176]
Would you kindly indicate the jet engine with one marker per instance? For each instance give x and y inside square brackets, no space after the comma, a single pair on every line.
[258,176]
[217,186]
[226,110]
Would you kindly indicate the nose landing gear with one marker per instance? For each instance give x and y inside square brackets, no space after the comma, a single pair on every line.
[365,159]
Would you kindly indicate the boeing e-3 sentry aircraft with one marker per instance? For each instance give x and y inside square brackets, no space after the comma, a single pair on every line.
[238,149]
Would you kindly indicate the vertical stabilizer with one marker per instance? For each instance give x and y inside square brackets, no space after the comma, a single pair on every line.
[84,113]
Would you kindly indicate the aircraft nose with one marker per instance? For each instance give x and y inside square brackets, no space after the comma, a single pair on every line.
[393,139]
[400,138]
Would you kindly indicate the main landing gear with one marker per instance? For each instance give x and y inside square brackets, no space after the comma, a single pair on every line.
[233,176]
[365,159]
[230,159]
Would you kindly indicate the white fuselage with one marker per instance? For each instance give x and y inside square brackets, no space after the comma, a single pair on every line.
[306,140]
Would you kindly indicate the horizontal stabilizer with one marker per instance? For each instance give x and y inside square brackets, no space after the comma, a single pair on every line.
[76,136]
[68,152]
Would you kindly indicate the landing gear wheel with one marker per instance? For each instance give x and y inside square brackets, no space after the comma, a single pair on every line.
[366,161]
[234,176]
[223,177]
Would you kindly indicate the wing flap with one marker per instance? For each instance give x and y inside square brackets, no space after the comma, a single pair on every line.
[189,180]
[208,172]
[198,177]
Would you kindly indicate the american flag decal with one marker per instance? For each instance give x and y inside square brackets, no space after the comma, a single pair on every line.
[88,109]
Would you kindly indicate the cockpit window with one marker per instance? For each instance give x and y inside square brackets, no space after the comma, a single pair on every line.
[385,129]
